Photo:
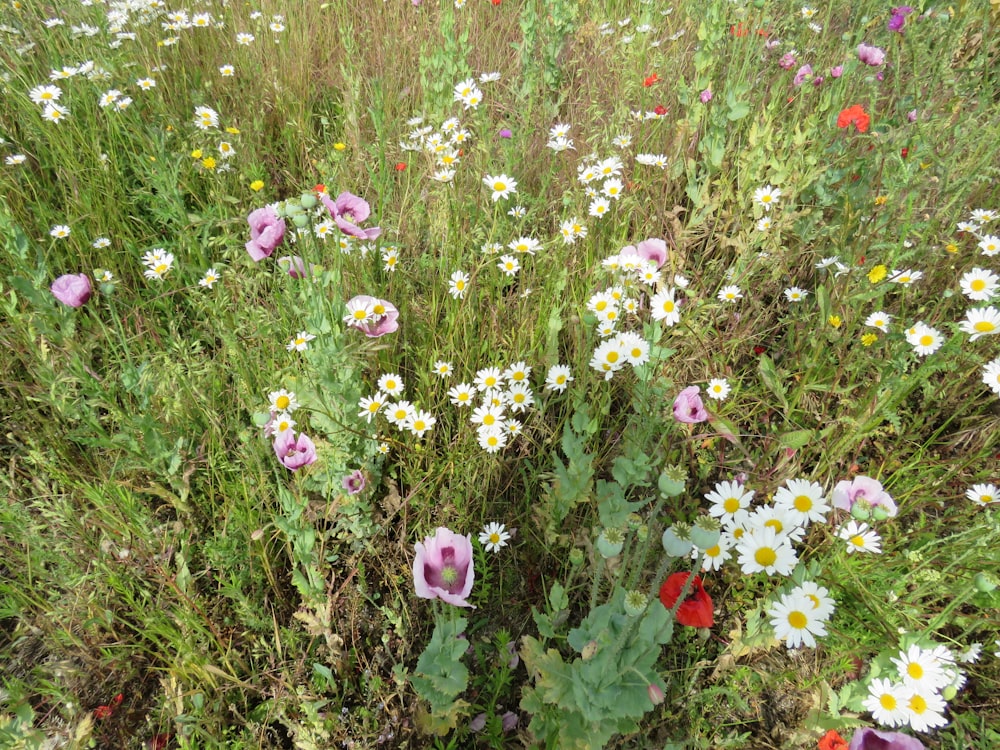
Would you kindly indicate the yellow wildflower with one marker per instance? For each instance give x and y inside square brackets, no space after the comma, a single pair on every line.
[834,320]
[340,146]
[951,247]
[196,154]
[868,339]
[208,162]
[877,274]
[257,185]
[881,200]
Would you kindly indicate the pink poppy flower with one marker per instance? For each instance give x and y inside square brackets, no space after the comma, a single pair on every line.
[863,494]
[688,407]
[802,74]
[385,320]
[787,61]
[267,230]
[653,249]
[348,210]
[295,267]
[354,482]
[72,289]
[869,55]
[705,96]
[294,453]
[442,568]
[876,739]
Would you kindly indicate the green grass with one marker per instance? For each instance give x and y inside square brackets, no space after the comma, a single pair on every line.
[154,547]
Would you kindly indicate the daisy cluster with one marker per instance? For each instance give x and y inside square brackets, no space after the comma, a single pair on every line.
[914,696]
[442,145]
[498,398]
[763,539]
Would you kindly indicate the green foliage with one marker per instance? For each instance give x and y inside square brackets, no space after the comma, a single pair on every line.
[440,677]
[604,690]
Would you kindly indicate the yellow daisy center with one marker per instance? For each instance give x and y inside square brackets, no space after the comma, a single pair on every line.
[803,503]
[978,285]
[282,402]
[887,701]
[765,556]
[797,620]
[984,326]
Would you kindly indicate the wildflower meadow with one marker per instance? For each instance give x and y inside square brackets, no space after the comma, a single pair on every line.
[457,374]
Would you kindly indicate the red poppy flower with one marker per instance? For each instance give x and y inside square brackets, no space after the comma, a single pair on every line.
[660,110]
[650,80]
[400,166]
[832,741]
[696,609]
[904,152]
[854,115]
[320,188]
[759,350]
[739,30]
[495,2]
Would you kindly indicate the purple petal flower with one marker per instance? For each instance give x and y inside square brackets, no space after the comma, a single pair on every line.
[705,96]
[653,249]
[505,133]
[72,289]
[267,230]
[864,492]
[294,453]
[869,55]
[354,482]
[386,317]
[348,211]
[478,724]
[912,115]
[875,739]
[442,568]
[801,74]
[836,71]
[787,61]
[688,407]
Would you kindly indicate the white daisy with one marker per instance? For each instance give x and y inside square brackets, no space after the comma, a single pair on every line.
[860,538]
[718,389]
[795,622]
[728,498]
[494,537]
[803,500]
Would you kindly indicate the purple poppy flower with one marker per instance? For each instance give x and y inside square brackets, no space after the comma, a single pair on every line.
[442,568]
[817,81]
[354,482]
[294,453]
[348,210]
[505,133]
[267,230]
[898,19]
[912,115]
[385,320]
[787,61]
[688,407]
[862,495]
[72,289]
[802,74]
[875,739]
[653,249]
[478,724]
[869,55]
[705,96]
[836,71]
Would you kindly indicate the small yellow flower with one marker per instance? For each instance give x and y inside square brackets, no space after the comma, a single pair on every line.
[257,185]
[868,339]
[340,146]
[196,154]
[951,247]
[834,320]
[924,164]
[208,162]
[170,128]
[877,274]
[881,200]
[233,131]
[152,158]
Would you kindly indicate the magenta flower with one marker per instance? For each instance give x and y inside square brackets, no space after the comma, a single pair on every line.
[817,81]
[354,482]
[348,211]
[705,96]
[267,230]
[875,739]
[912,115]
[862,496]
[72,289]
[294,453]
[898,19]
[653,249]
[787,61]
[385,317]
[442,568]
[688,407]
[505,133]
[869,55]
[836,71]
[802,74]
